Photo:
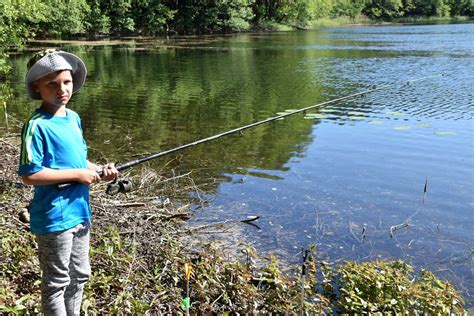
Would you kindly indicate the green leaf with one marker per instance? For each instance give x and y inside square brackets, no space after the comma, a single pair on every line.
[185,303]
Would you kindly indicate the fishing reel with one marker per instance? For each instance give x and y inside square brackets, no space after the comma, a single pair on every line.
[119,186]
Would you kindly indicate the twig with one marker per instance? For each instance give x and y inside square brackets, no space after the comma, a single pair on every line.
[133,204]
[397,227]
[248,220]
[394,228]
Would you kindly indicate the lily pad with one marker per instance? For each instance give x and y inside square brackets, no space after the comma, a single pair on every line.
[313,116]
[402,128]
[376,122]
[356,113]
[424,125]
[397,113]
[445,133]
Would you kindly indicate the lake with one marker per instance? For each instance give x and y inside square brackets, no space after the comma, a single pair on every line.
[346,179]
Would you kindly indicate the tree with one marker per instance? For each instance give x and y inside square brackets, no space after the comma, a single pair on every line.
[384,9]
[97,21]
[19,22]
[461,7]
[321,8]
[65,18]
[151,17]
[118,13]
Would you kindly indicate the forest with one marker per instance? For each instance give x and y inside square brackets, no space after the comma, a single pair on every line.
[93,18]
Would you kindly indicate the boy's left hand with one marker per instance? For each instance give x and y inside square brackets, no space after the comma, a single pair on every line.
[109,172]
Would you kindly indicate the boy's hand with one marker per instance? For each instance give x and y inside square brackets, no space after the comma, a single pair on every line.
[88,176]
[109,172]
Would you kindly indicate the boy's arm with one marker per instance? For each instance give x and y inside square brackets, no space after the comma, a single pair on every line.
[52,176]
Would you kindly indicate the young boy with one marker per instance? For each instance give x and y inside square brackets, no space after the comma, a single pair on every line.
[53,151]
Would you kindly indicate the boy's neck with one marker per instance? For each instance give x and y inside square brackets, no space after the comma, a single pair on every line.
[54,110]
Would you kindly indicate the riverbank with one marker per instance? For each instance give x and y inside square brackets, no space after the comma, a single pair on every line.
[366,21]
[205,41]
[140,250]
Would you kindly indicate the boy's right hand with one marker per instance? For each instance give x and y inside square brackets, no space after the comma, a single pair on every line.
[88,176]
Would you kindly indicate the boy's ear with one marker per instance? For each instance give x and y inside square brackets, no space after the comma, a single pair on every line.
[35,86]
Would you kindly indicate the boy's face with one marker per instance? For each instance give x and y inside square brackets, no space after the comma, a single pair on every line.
[55,88]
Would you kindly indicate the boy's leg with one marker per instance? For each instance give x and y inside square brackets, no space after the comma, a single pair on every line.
[54,252]
[79,269]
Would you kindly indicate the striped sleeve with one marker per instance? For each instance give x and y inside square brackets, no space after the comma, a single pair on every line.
[31,153]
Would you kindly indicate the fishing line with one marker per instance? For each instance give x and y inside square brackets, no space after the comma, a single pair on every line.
[239,130]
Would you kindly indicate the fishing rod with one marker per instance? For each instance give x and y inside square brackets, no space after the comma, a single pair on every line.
[132,163]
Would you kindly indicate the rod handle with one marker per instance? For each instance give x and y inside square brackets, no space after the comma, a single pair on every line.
[63,186]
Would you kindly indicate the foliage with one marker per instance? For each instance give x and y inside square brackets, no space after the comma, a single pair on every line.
[384,9]
[391,287]
[19,22]
[65,18]
[146,17]
[349,7]
[151,17]
[461,7]
[98,23]
[19,272]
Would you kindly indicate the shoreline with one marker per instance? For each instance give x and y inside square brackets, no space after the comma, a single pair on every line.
[140,248]
[265,28]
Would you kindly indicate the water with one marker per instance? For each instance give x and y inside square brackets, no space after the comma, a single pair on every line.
[363,163]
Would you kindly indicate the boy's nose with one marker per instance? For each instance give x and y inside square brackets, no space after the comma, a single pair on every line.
[62,87]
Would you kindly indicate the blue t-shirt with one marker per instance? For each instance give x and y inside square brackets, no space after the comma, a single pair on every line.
[55,142]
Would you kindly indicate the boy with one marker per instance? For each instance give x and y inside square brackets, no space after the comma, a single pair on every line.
[53,151]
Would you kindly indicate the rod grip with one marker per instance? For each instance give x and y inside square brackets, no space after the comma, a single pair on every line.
[63,186]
